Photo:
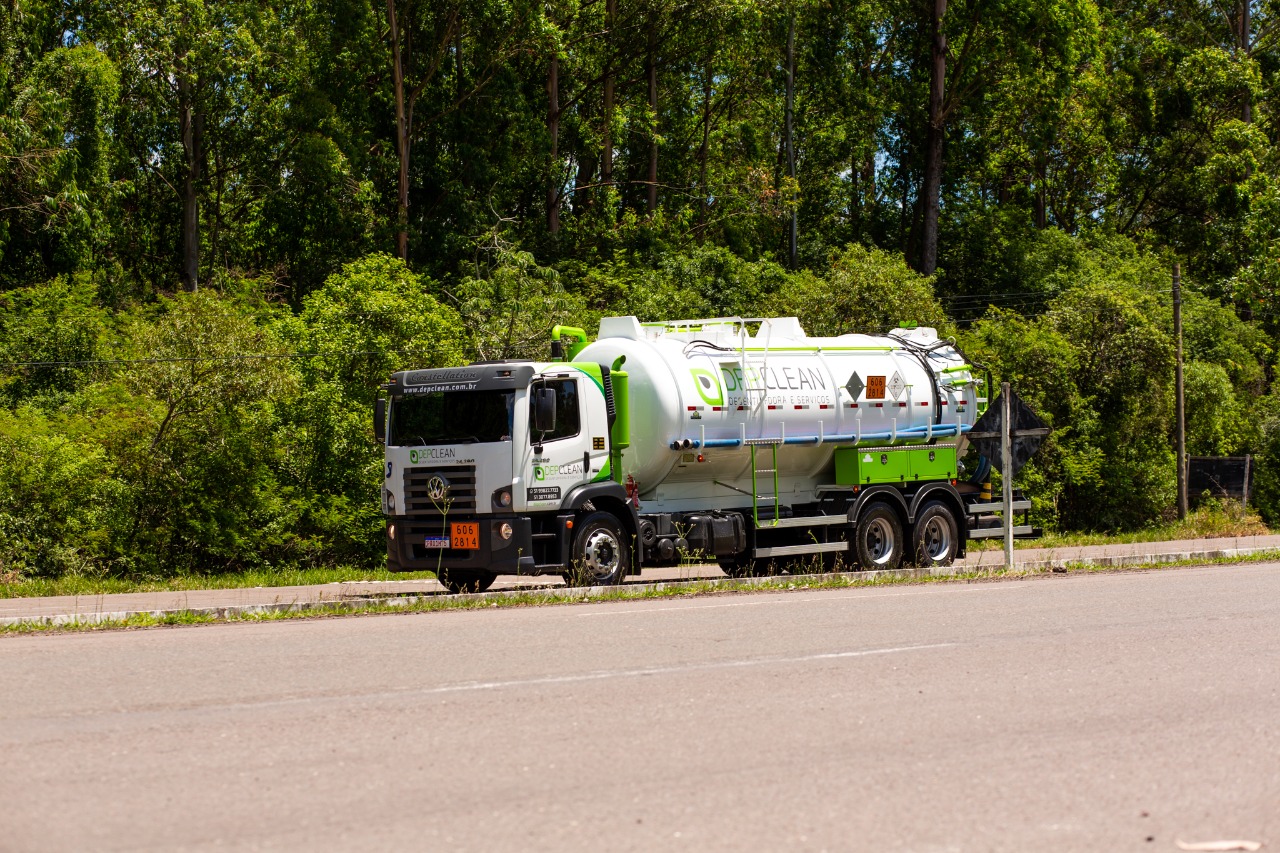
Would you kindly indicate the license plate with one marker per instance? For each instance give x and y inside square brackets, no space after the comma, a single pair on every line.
[436,542]
[466,535]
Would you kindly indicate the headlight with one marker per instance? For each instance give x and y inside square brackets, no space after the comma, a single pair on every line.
[505,530]
[391,501]
[391,532]
[502,498]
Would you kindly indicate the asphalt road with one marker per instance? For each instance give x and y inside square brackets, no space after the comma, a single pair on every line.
[1105,713]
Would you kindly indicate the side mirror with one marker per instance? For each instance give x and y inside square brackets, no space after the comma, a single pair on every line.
[544,410]
[380,420]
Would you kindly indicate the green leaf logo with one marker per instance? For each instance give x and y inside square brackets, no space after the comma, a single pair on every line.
[708,385]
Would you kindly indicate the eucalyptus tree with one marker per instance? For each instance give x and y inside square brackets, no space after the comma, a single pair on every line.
[56,100]
[444,55]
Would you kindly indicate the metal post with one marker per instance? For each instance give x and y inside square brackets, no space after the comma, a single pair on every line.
[1006,473]
[1180,400]
[1244,498]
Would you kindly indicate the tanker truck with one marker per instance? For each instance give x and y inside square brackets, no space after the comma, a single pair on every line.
[744,442]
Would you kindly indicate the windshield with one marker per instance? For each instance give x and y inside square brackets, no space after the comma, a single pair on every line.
[452,417]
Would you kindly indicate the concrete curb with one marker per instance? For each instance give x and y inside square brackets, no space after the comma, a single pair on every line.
[560,594]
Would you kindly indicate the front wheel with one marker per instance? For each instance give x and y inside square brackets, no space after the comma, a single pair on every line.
[878,540]
[936,537]
[600,554]
[465,580]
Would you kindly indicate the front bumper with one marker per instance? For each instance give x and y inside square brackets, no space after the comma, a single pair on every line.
[406,538]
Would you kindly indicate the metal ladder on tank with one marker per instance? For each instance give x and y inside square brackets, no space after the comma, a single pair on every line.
[756,471]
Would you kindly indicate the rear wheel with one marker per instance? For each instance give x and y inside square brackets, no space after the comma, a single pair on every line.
[600,554]
[465,580]
[878,539]
[936,536]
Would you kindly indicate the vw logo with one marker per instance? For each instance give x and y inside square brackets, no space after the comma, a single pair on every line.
[437,488]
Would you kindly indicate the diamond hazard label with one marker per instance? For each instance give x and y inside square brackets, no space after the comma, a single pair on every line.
[896,385]
[854,386]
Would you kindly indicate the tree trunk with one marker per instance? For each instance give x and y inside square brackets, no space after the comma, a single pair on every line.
[459,79]
[582,198]
[651,199]
[553,130]
[862,178]
[219,190]
[932,183]
[1042,195]
[189,128]
[606,157]
[791,140]
[909,210]
[1246,38]
[402,136]
[705,201]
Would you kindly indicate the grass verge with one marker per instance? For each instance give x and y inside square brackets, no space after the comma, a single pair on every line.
[95,585]
[563,596]
[1213,519]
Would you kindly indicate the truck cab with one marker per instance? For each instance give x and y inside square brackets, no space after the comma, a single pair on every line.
[489,467]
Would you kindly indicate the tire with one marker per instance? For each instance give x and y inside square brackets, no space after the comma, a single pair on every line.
[465,580]
[600,554]
[878,541]
[936,536]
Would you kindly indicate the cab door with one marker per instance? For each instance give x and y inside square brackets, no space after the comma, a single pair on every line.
[561,457]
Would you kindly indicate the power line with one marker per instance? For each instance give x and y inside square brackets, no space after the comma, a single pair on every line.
[196,358]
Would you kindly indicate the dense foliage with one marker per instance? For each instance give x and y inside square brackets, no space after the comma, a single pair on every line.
[223,224]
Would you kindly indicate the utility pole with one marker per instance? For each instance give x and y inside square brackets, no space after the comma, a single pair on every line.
[793,236]
[1180,400]
[1006,472]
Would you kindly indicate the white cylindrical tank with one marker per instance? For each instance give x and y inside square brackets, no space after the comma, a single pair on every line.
[713,388]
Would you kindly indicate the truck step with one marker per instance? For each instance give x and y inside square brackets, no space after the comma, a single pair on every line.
[803,521]
[796,550]
[1018,506]
[991,532]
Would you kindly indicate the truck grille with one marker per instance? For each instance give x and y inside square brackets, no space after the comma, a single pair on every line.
[422,490]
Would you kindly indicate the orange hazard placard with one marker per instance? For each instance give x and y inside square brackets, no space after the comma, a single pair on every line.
[465,535]
[875,387]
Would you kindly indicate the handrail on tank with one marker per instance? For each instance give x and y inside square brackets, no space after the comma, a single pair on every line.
[688,325]
[925,432]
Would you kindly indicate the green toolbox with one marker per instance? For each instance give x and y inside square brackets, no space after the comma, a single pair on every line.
[861,466]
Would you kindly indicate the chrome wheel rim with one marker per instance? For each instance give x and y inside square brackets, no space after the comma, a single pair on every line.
[601,554]
[879,540]
[937,539]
